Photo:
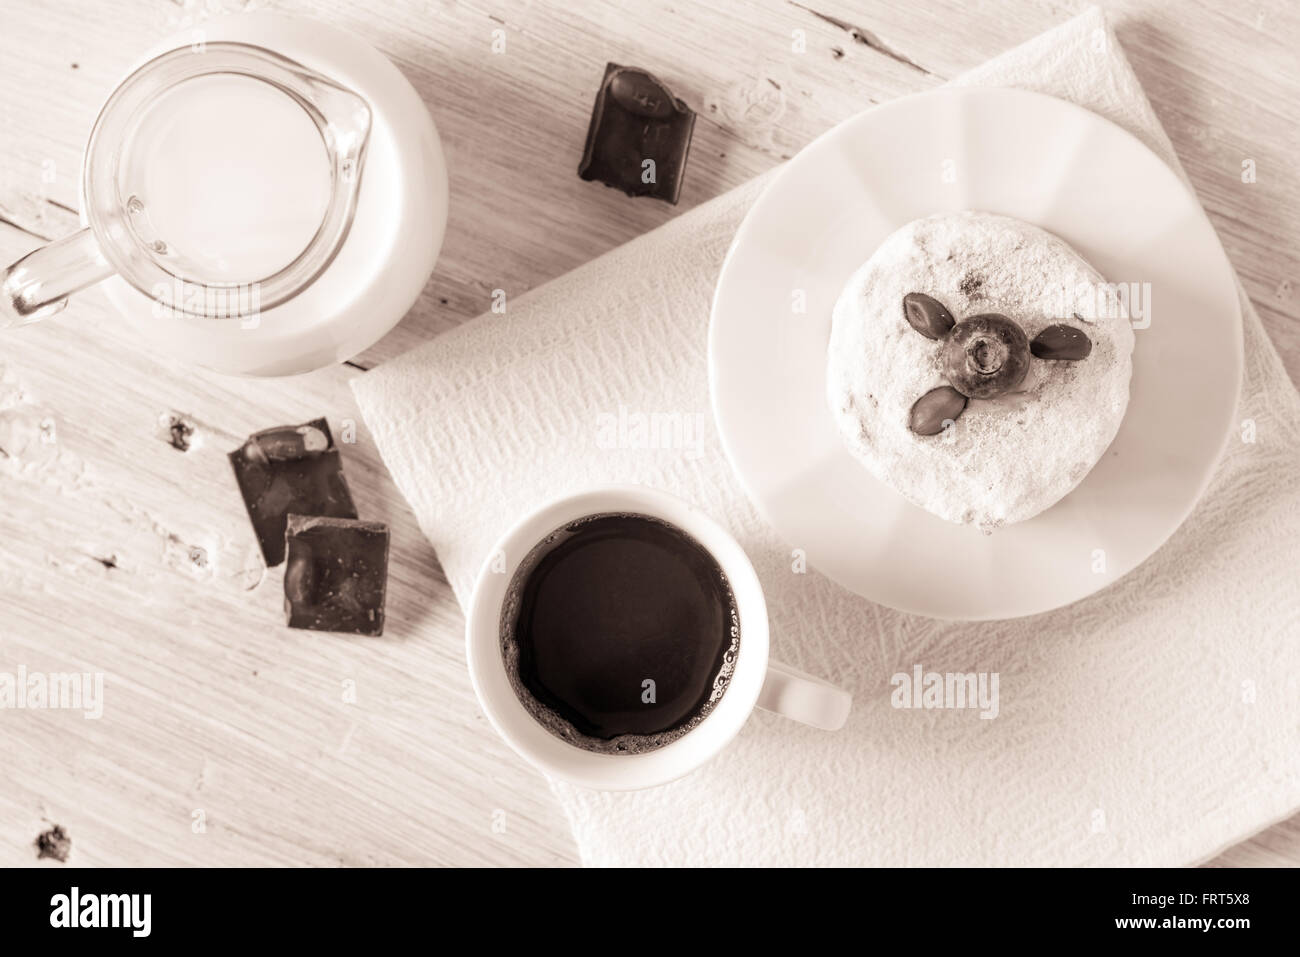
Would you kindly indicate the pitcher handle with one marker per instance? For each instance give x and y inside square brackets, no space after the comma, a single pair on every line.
[38,285]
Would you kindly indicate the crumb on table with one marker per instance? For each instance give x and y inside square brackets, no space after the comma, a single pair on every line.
[53,843]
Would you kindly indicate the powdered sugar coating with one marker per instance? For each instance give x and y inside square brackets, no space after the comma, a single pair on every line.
[1004,459]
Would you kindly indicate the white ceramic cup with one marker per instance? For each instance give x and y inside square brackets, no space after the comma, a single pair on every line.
[756,681]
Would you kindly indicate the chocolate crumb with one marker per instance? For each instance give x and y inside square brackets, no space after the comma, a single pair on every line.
[837,52]
[53,843]
[970,284]
[179,432]
[109,562]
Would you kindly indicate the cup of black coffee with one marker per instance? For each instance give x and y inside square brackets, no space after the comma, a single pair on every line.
[618,639]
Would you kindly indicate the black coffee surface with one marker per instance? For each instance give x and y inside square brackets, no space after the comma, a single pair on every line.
[619,633]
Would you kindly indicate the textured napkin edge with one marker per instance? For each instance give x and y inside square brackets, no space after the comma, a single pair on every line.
[1222,848]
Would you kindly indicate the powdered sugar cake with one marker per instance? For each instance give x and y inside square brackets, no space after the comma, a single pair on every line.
[997,460]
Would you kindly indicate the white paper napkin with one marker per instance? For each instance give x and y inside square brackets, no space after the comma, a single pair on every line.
[1154,723]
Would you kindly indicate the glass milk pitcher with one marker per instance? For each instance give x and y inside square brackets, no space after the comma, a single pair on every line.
[267,198]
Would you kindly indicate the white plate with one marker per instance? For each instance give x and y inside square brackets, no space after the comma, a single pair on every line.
[1004,151]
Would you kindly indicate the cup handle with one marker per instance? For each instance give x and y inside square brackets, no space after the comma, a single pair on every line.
[790,692]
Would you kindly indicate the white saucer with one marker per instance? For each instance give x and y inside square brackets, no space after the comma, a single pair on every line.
[1022,154]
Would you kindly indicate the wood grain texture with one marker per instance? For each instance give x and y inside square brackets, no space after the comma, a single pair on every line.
[122,555]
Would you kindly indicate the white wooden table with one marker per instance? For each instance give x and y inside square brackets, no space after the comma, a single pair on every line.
[120,554]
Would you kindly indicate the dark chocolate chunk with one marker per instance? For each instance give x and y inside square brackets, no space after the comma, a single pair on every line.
[639,135]
[291,468]
[336,574]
